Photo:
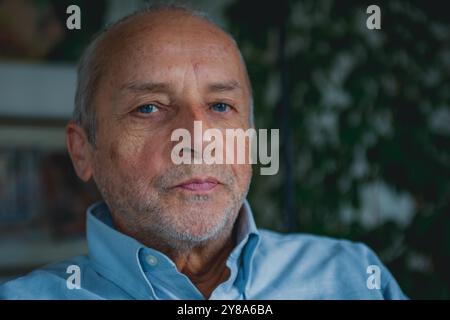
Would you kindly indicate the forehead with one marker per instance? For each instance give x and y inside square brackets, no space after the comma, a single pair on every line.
[166,46]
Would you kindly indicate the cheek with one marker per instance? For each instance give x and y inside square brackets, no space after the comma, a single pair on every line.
[134,158]
[243,174]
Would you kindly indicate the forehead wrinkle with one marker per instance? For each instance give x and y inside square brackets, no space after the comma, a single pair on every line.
[192,68]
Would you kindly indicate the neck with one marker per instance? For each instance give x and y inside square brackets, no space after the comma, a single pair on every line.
[203,263]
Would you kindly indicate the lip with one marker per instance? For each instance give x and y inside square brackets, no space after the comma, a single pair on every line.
[198,184]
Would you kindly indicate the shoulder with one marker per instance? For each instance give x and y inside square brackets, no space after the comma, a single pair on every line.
[327,267]
[49,282]
[318,252]
[317,247]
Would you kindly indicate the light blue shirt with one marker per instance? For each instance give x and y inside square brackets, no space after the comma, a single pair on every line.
[263,265]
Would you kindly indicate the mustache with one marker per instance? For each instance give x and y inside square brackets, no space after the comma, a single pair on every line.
[176,174]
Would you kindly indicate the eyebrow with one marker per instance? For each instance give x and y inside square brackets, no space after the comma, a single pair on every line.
[164,87]
[147,86]
[226,86]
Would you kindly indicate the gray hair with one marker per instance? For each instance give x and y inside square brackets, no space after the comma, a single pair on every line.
[90,68]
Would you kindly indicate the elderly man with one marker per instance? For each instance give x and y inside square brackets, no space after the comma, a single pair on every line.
[168,231]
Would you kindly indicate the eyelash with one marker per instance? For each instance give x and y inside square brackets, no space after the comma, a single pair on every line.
[145,105]
[158,108]
[222,103]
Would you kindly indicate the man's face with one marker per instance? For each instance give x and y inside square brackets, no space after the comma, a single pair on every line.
[161,76]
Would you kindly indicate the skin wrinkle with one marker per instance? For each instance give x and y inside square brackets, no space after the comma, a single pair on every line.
[131,162]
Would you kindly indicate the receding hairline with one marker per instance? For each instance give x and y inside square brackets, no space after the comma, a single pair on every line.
[95,57]
[138,22]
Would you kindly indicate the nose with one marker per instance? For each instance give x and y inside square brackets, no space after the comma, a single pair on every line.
[194,118]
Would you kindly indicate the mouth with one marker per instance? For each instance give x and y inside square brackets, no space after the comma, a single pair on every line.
[198,184]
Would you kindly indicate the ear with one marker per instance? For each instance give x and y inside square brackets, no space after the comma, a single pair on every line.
[80,150]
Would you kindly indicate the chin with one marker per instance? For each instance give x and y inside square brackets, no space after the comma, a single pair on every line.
[202,221]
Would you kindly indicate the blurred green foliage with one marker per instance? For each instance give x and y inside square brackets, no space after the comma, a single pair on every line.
[366,106]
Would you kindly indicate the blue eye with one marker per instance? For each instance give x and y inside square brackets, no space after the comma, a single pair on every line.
[220,107]
[147,108]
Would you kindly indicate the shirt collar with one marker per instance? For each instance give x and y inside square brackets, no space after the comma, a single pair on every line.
[117,256]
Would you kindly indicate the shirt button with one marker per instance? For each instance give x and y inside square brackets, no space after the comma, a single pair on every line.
[152,260]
